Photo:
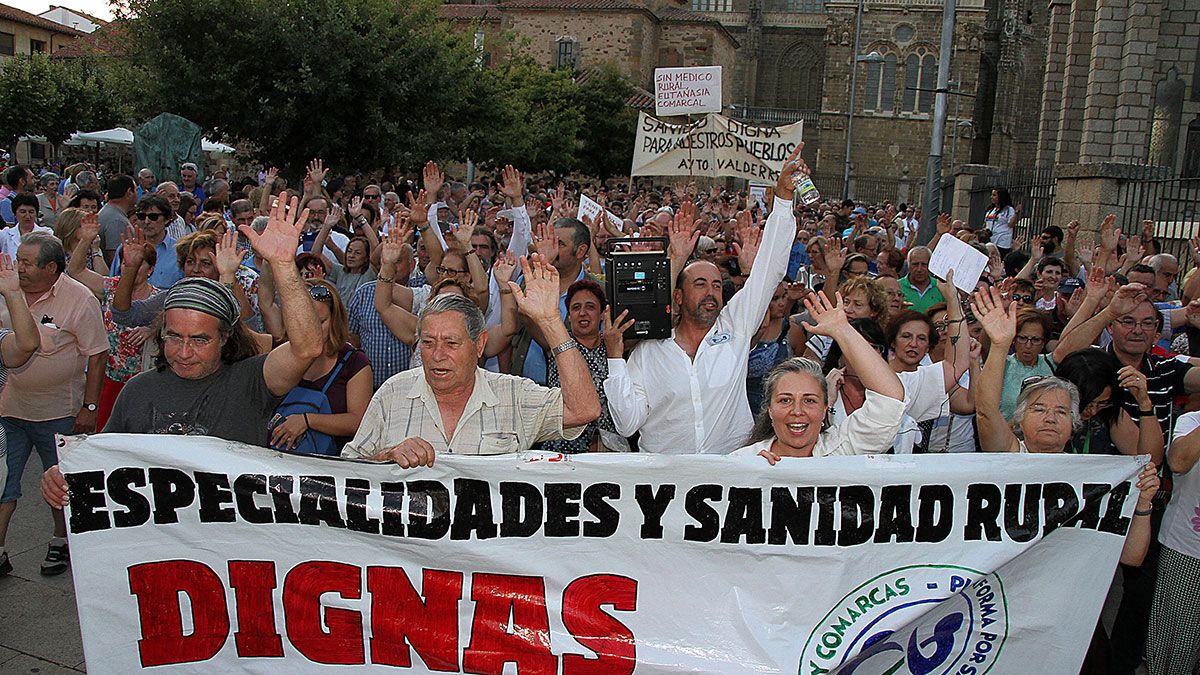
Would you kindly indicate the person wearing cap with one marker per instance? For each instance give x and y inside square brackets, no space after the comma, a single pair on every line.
[209,378]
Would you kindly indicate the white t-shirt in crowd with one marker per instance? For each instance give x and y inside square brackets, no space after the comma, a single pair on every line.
[1181,523]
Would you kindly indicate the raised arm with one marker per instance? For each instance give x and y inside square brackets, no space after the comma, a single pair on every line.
[499,337]
[267,307]
[77,266]
[831,321]
[995,433]
[264,199]
[286,363]
[400,321]
[1145,437]
[683,236]
[538,303]
[750,304]
[1124,301]
[227,259]
[461,241]
[19,347]
[958,356]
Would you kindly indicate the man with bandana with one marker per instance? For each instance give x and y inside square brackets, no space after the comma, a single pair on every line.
[209,378]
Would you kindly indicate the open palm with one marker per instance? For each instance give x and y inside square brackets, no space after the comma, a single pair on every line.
[279,240]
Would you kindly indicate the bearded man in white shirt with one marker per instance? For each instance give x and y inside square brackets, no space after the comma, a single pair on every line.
[687,393]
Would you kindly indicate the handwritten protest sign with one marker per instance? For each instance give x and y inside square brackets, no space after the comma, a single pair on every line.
[713,146]
[686,91]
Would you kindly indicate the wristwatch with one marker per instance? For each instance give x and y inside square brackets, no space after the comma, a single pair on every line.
[90,407]
[566,346]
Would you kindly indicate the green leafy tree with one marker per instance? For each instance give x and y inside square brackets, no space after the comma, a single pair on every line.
[361,83]
[534,121]
[610,125]
[41,96]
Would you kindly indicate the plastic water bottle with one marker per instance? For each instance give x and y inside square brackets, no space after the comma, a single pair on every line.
[808,192]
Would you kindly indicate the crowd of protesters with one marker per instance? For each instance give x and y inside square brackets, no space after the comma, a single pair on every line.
[402,319]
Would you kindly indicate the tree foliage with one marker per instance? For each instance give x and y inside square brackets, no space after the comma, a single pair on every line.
[362,83]
[41,96]
[365,84]
[610,125]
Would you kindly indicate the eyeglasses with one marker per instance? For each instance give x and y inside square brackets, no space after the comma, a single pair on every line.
[319,292]
[941,325]
[152,217]
[1023,298]
[1030,339]
[1147,325]
[199,342]
[444,271]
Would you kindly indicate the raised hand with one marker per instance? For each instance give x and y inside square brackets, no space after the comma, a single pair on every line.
[944,224]
[356,208]
[334,217]
[830,317]
[463,231]
[682,232]
[544,241]
[432,178]
[1192,312]
[614,332]
[1097,284]
[503,267]
[1134,250]
[1194,249]
[10,282]
[89,228]
[835,255]
[228,258]
[489,217]
[279,240]
[133,247]
[1147,230]
[749,237]
[1019,242]
[1127,298]
[418,208]
[999,323]
[792,166]
[269,180]
[316,171]
[392,243]
[538,301]
[1073,229]
[1110,235]
[558,199]
[512,184]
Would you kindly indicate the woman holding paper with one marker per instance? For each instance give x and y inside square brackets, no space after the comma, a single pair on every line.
[796,422]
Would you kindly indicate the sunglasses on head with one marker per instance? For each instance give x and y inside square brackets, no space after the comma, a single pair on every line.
[319,292]
[1021,297]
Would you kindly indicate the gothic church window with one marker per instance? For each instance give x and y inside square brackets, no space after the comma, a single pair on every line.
[881,84]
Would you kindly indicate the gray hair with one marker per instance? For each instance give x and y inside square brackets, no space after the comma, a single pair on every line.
[1156,261]
[240,205]
[1035,390]
[454,303]
[259,224]
[49,177]
[762,429]
[86,180]
[923,249]
[50,249]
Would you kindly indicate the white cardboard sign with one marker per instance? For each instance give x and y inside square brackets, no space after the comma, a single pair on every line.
[684,91]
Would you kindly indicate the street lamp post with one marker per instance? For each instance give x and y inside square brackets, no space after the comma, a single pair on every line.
[873,57]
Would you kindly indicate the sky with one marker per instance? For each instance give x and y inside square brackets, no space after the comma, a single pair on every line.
[98,8]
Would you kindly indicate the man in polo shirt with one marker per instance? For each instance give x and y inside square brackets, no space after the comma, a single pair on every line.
[17,180]
[51,394]
[918,287]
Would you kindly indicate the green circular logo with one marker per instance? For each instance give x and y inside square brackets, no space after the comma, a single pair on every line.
[914,620]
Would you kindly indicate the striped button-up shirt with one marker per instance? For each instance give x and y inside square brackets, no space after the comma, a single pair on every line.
[505,413]
[388,355]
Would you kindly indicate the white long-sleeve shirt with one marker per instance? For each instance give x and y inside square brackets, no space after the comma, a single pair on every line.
[686,406]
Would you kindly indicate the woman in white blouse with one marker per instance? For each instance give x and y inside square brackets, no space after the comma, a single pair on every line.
[795,422]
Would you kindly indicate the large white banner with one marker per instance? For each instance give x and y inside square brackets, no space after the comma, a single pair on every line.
[713,146]
[195,555]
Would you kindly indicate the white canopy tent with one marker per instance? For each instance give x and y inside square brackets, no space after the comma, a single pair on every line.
[123,136]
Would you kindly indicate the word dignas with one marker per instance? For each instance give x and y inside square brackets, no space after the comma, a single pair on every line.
[510,620]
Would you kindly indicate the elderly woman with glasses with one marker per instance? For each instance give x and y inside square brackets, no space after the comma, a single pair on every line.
[796,422]
[1028,358]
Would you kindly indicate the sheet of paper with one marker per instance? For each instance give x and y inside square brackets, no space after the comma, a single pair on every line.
[590,208]
[968,264]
